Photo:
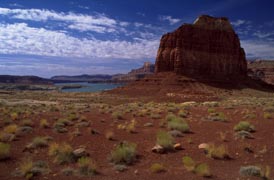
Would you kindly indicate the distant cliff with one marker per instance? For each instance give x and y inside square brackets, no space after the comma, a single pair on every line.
[136,74]
[24,80]
[262,69]
[82,78]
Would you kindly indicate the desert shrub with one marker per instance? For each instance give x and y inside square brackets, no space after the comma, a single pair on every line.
[189,163]
[267,115]
[120,167]
[210,110]
[182,114]
[178,124]
[86,166]
[117,115]
[165,140]
[14,115]
[244,126]
[170,117]
[65,122]
[28,168]
[60,127]
[27,122]
[218,116]
[201,169]
[44,123]
[11,129]
[217,152]
[243,135]
[157,168]
[39,142]
[109,135]
[6,137]
[4,151]
[269,109]
[63,153]
[155,116]
[256,171]
[131,127]
[124,153]
[68,171]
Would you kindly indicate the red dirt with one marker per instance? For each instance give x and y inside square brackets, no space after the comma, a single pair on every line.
[203,131]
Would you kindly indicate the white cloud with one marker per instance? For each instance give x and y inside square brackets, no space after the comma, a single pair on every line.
[239,22]
[258,49]
[85,22]
[261,34]
[170,19]
[19,38]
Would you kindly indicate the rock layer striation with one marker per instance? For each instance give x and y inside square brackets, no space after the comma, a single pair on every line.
[208,47]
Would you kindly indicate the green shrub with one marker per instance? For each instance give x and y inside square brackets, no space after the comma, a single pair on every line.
[189,163]
[117,115]
[86,166]
[62,154]
[182,114]
[178,124]
[201,169]
[244,126]
[157,168]
[11,129]
[68,171]
[4,151]
[124,153]
[28,168]
[165,140]
[267,115]
[256,171]
[44,123]
[217,152]
[39,142]
[27,122]
[170,117]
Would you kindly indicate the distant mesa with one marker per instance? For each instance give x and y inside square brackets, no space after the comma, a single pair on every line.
[208,48]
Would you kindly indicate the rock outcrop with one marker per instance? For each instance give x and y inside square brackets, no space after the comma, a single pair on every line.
[262,69]
[207,48]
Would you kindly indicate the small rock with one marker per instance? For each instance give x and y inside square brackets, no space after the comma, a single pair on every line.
[148,125]
[177,146]
[203,146]
[80,152]
[158,149]
[136,172]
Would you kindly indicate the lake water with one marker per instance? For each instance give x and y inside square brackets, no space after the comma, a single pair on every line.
[89,87]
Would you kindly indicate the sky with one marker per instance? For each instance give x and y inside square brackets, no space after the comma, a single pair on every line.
[73,37]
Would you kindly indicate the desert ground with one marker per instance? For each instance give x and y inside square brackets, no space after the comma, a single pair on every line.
[54,135]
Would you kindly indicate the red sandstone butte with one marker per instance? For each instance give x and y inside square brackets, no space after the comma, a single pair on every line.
[208,47]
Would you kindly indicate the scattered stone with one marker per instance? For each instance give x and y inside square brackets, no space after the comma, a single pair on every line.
[80,152]
[94,132]
[177,146]
[158,149]
[203,146]
[243,135]
[148,125]
[83,124]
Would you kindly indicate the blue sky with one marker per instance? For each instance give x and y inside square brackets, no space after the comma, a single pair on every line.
[69,37]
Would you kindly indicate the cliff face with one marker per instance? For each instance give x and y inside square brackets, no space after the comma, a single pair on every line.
[209,47]
[262,69]
[136,74]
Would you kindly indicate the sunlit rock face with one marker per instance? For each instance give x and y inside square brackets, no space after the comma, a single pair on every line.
[208,47]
